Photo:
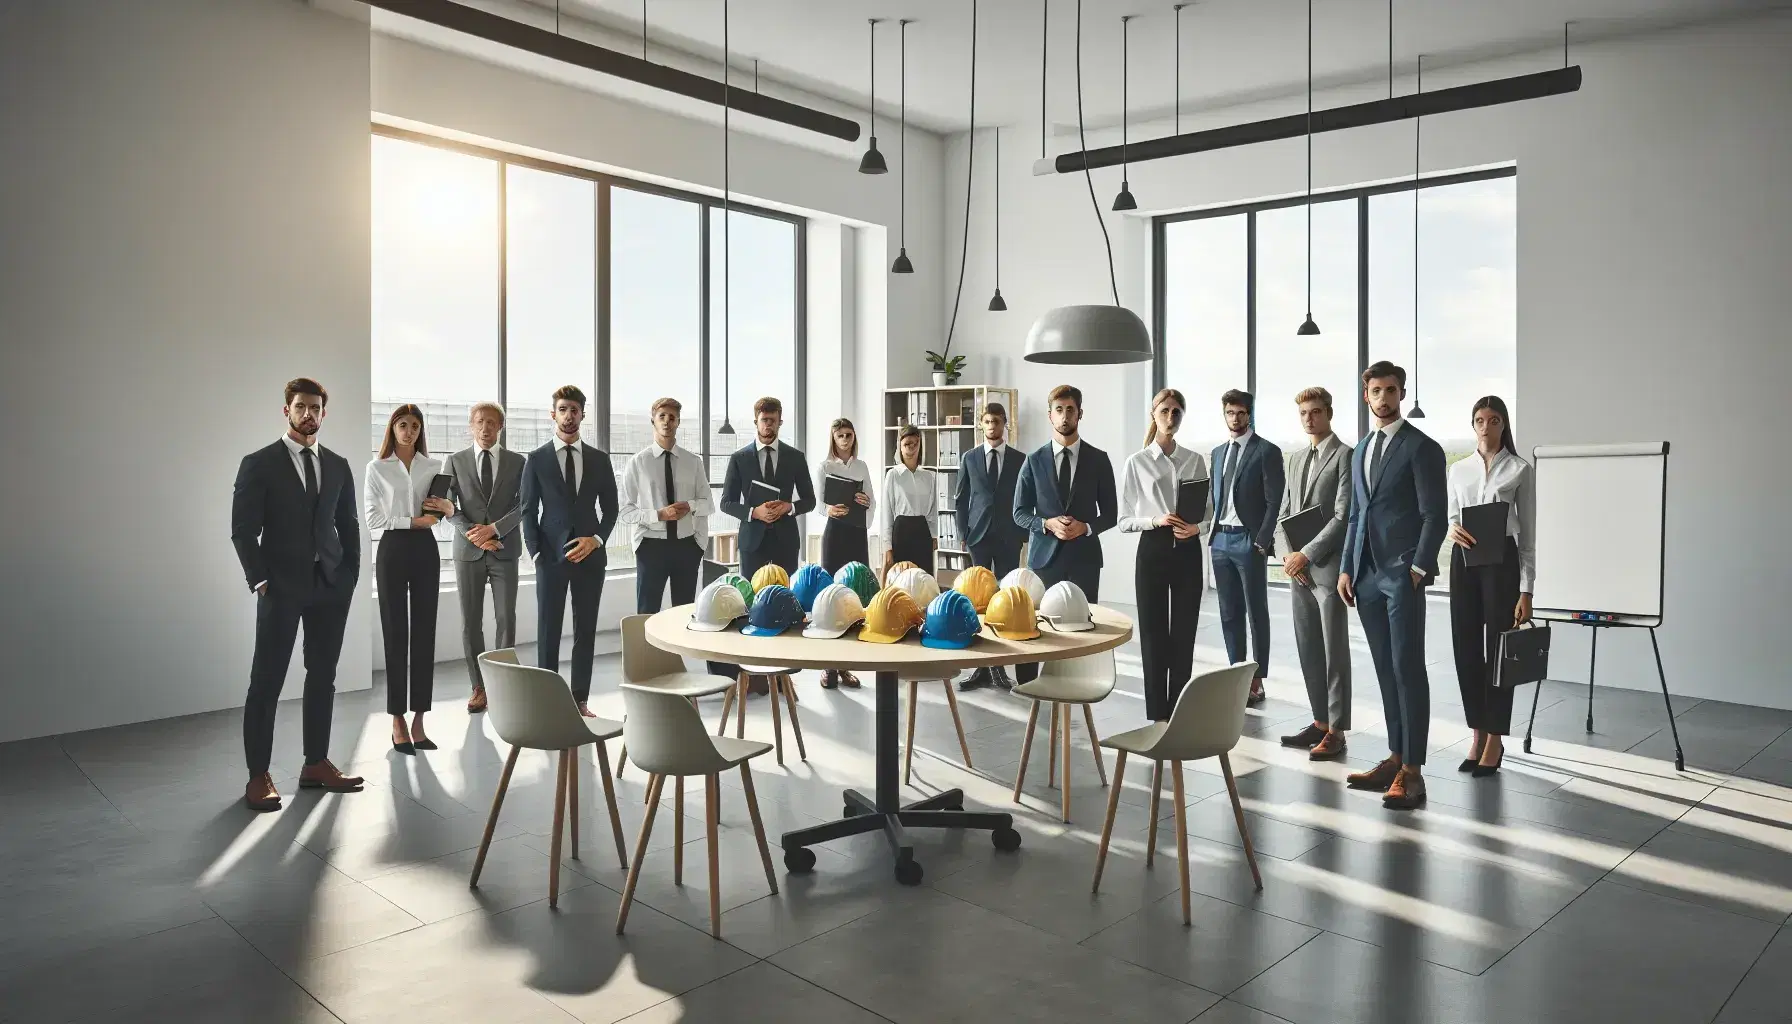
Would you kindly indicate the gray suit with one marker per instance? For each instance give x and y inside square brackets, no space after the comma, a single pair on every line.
[474,568]
[1321,623]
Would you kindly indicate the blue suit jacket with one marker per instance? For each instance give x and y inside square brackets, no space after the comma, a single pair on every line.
[1399,524]
[1256,487]
[1092,501]
[553,515]
[793,483]
[983,506]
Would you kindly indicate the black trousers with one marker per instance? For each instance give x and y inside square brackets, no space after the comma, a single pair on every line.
[409,571]
[1088,580]
[843,543]
[911,541]
[1482,600]
[324,612]
[1168,583]
[998,557]
[781,547]
[659,563]
[553,579]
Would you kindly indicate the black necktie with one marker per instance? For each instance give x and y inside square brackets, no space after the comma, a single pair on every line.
[1381,440]
[995,464]
[1306,470]
[671,524]
[572,473]
[1226,468]
[310,474]
[765,456]
[1064,478]
[485,472]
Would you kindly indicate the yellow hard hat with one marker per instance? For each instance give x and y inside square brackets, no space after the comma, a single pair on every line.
[770,575]
[1011,614]
[979,584]
[891,615]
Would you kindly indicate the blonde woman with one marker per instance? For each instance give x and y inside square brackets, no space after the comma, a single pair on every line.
[911,503]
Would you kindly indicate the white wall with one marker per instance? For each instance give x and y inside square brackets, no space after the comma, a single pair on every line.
[185,199]
[1654,249]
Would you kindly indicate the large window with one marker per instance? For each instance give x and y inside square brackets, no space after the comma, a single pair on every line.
[1233,289]
[501,278]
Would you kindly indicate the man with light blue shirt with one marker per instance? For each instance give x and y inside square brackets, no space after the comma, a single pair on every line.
[1247,488]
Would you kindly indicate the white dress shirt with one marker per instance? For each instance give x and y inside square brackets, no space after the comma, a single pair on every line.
[759,450]
[641,493]
[910,492]
[1076,456]
[1370,468]
[1473,481]
[497,457]
[851,469]
[296,451]
[1003,454]
[578,461]
[394,493]
[1228,471]
[1149,484]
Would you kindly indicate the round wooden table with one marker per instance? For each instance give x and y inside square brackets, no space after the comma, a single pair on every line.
[891,662]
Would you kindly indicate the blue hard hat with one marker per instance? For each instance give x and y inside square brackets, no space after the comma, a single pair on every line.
[951,622]
[809,581]
[775,609]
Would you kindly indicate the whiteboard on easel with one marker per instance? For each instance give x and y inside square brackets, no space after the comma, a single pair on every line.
[1601,531]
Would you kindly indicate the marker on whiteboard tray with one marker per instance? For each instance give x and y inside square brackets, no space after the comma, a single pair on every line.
[1594,617]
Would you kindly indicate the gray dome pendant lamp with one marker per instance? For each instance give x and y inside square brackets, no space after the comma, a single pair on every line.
[873,161]
[901,265]
[727,428]
[1309,328]
[1089,335]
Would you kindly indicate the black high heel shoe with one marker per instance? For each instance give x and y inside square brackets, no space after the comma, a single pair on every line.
[407,747]
[1482,771]
[424,744]
[1472,760]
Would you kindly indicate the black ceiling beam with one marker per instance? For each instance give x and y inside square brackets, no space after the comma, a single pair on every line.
[1357,115]
[473,22]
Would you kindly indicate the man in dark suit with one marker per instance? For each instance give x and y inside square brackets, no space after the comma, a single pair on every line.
[1065,500]
[569,509]
[488,508]
[293,522]
[983,505]
[761,479]
[1247,491]
[1399,511]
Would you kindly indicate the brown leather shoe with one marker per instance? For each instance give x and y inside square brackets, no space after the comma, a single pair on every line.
[585,711]
[260,794]
[1331,748]
[1258,693]
[1407,791]
[1305,738]
[325,776]
[476,703]
[1379,777]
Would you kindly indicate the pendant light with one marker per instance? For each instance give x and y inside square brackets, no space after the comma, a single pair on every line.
[727,428]
[1177,50]
[1091,334]
[1416,413]
[873,161]
[1124,201]
[1309,328]
[970,178]
[902,264]
[996,303]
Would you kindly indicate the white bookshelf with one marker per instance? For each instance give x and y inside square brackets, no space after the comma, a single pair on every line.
[929,409]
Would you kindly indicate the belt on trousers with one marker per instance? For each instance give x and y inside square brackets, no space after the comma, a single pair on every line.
[1231,529]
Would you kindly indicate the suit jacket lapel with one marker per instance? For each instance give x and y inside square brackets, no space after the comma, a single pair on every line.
[1326,455]
[1395,444]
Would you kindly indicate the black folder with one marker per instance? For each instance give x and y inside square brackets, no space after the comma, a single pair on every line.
[759,492]
[1524,656]
[438,487]
[1298,530]
[1487,524]
[1191,501]
[839,490]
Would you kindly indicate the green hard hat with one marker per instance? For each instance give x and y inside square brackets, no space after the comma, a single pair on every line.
[738,582]
[860,578]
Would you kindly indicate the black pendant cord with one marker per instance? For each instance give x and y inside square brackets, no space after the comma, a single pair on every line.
[970,154]
[1416,122]
[998,209]
[1125,77]
[727,248]
[643,29]
[872,46]
[1177,50]
[1045,40]
[1082,140]
[1309,160]
[902,147]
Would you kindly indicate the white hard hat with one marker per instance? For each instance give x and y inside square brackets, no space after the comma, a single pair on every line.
[1027,580]
[1066,609]
[919,583]
[717,607]
[837,609]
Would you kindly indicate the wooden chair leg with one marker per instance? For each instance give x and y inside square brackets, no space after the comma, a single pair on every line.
[678,830]
[1250,854]
[621,758]
[765,853]
[957,722]
[1107,827]
[908,746]
[603,774]
[1051,749]
[491,823]
[1157,806]
[654,784]
[559,825]
[1026,748]
[773,688]
[1095,744]
[727,706]
[740,706]
[1181,834]
[712,820]
[796,727]
[572,797]
[1064,790]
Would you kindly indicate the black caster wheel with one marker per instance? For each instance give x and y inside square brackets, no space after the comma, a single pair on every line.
[908,872]
[799,861]
[1006,839]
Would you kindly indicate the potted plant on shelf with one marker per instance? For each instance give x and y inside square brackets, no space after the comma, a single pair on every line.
[946,369]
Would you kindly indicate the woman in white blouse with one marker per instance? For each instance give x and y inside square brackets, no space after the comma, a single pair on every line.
[1167,576]
[911,504]
[407,569]
[1487,600]
[842,541]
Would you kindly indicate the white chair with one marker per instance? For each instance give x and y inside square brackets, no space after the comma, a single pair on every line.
[908,748]
[670,741]
[532,708]
[780,686]
[647,666]
[1061,684]
[1206,722]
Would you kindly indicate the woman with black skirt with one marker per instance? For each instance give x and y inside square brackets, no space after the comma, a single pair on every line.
[407,569]
[911,504]
[841,541]
[1487,600]
[1167,576]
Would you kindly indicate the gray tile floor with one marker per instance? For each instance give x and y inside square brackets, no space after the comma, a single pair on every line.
[1589,882]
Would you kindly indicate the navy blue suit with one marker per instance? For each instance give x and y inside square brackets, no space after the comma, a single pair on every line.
[552,516]
[984,508]
[780,542]
[1397,527]
[1240,565]
[1092,500]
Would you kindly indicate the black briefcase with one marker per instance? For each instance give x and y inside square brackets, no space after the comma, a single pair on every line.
[1524,656]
